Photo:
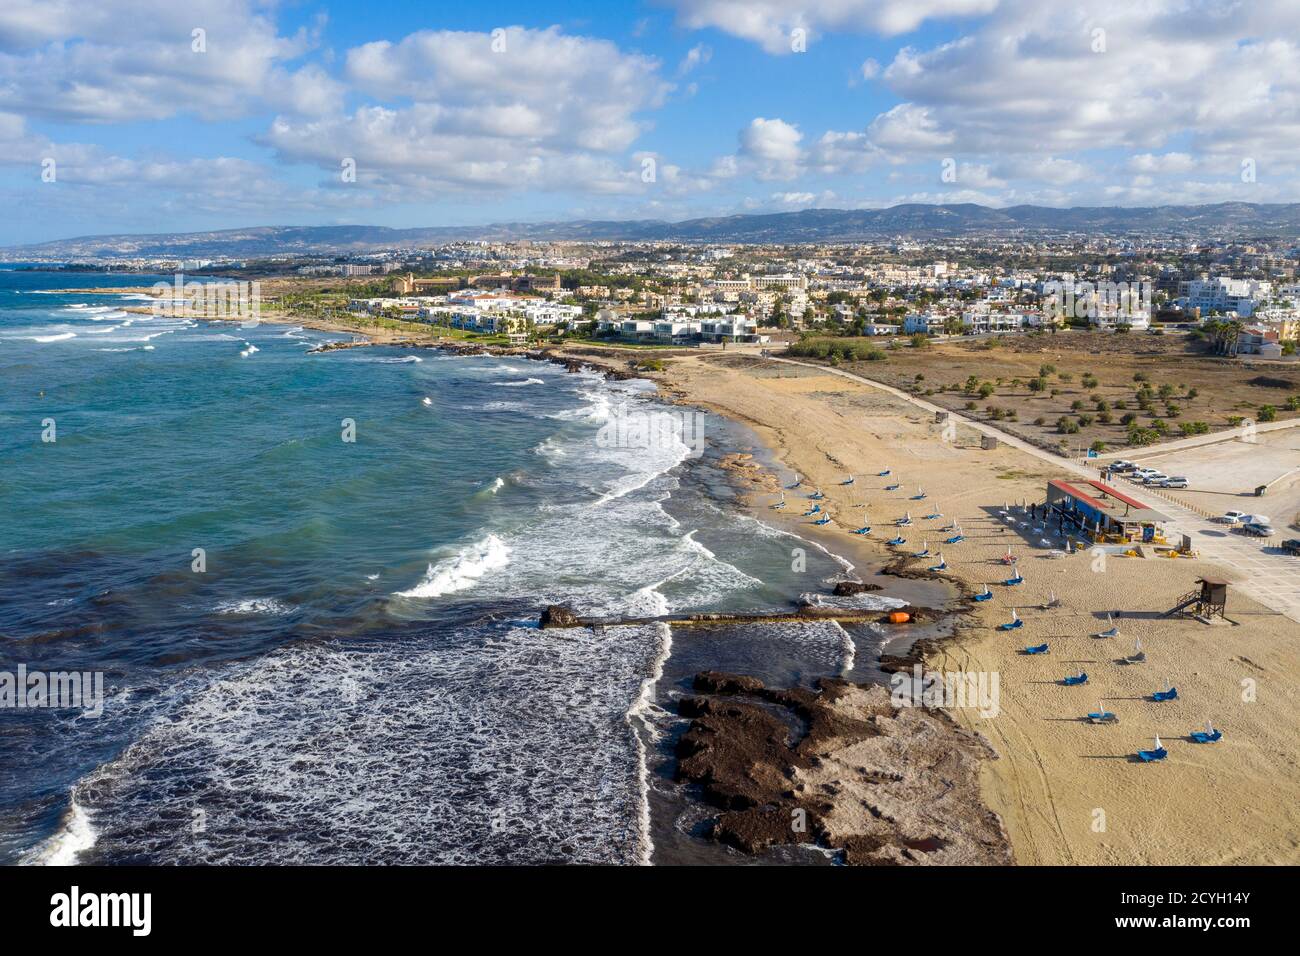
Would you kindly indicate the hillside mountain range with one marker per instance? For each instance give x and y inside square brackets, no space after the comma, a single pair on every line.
[911,220]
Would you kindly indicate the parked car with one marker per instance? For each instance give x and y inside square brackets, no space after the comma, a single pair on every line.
[1155,478]
[1292,546]
[1256,529]
[1233,517]
[1174,482]
[1122,465]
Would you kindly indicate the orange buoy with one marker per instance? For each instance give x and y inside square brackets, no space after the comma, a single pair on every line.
[899,617]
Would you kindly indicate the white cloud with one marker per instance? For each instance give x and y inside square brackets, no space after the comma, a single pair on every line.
[771,147]
[696,56]
[547,111]
[1164,163]
[1029,80]
[909,129]
[126,60]
[843,153]
[770,22]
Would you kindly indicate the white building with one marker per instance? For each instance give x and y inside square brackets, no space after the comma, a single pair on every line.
[1224,295]
[923,322]
[980,323]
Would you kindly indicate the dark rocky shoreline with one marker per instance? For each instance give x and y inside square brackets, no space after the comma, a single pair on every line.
[839,767]
[567,361]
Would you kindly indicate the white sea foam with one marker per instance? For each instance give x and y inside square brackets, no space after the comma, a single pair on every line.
[599,407]
[653,462]
[75,835]
[249,350]
[527,381]
[850,649]
[639,718]
[253,606]
[550,449]
[505,746]
[463,570]
[60,337]
[388,359]
[855,602]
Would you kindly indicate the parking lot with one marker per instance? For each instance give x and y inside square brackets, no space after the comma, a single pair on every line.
[1223,477]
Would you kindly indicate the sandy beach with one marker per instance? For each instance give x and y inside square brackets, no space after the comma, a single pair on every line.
[1068,791]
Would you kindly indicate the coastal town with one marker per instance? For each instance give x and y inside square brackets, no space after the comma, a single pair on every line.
[663,293]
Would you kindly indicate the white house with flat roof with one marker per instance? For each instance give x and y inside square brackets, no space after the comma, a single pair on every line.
[980,323]
[926,323]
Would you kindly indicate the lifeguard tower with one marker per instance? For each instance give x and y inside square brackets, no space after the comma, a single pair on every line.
[1208,602]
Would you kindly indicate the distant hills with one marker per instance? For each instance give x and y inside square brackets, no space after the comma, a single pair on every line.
[911,220]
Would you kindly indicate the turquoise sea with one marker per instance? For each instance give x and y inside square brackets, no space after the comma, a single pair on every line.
[319,650]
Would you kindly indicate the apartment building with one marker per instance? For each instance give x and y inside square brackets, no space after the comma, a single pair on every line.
[1221,294]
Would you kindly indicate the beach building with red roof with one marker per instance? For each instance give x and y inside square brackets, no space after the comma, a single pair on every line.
[1103,512]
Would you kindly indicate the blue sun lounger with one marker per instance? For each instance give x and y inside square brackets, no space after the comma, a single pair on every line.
[882,474]
[892,487]
[1161,695]
[936,515]
[942,566]
[897,541]
[816,496]
[825,519]
[1147,756]
[1011,625]
[865,529]
[847,481]
[1012,582]
[955,538]
[1037,649]
[1103,717]
[987,595]
[1207,736]
[1075,680]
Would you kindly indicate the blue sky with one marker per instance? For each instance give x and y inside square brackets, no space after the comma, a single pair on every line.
[114,118]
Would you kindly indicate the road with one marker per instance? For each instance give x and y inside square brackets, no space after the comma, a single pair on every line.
[1272,579]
